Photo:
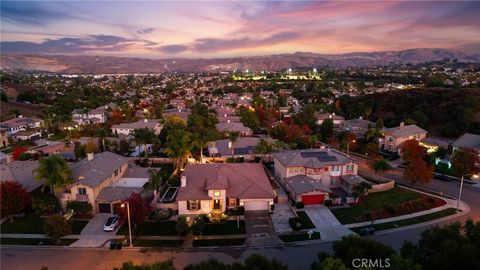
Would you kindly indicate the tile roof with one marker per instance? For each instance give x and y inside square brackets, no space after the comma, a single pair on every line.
[229,127]
[243,146]
[21,121]
[95,171]
[240,180]
[302,184]
[312,158]
[404,131]
[142,123]
[361,123]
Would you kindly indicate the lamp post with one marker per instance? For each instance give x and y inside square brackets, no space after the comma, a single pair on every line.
[129,226]
[348,147]
[461,188]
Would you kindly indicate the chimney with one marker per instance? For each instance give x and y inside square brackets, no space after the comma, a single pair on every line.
[402,124]
[183,181]
[229,144]
[89,156]
[360,118]
[145,120]
[333,113]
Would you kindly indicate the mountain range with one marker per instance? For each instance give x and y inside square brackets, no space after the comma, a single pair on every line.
[76,64]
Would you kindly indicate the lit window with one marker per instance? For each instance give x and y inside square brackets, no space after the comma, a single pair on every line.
[216,194]
[232,202]
[193,205]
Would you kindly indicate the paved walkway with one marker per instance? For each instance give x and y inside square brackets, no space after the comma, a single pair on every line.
[93,235]
[326,223]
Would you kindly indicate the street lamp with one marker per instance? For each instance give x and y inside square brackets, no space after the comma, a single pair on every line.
[461,187]
[348,147]
[129,226]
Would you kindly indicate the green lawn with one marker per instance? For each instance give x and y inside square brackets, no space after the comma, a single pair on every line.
[157,243]
[57,137]
[373,202]
[35,241]
[218,242]
[228,227]
[164,228]
[409,221]
[31,223]
[78,225]
[306,221]
[299,237]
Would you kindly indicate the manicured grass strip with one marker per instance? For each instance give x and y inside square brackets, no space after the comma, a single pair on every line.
[78,225]
[306,221]
[157,243]
[36,241]
[228,227]
[409,221]
[373,202]
[218,242]
[28,224]
[299,237]
[163,228]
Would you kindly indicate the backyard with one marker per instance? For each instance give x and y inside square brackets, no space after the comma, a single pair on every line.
[391,203]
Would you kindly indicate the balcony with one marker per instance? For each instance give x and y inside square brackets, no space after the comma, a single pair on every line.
[82,198]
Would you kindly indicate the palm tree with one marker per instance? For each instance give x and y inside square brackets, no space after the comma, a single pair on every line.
[263,147]
[155,182]
[178,148]
[313,140]
[200,141]
[55,171]
[380,167]
[233,136]
[143,136]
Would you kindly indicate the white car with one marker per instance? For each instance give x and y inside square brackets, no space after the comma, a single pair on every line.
[111,223]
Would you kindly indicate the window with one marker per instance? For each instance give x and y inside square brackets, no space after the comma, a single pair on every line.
[232,202]
[216,194]
[193,205]
[335,168]
[350,167]
[332,181]
[82,191]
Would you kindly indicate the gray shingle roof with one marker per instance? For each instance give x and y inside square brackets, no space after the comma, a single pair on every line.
[361,123]
[93,172]
[142,123]
[230,127]
[468,140]
[243,146]
[404,131]
[353,179]
[22,172]
[312,158]
[302,184]
[114,194]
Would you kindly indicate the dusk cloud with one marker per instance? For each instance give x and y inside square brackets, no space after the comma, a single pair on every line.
[174,49]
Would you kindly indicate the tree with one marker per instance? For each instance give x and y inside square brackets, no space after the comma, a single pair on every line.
[14,199]
[178,148]
[139,208]
[353,247]
[80,150]
[411,149]
[313,140]
[197,225]
[326,129]
[91,147]
[464,161]
[155,181]
[200,142]
[263,147]
[233,136]
[182,225]
[360,190]
[380,167]
[44,203]
[55,171]
[79,208]
[372,134]
[166,265]
[257,261]
[249,118]
[56,226]
[18,151]
[418,170]
[328,263]
[144,136]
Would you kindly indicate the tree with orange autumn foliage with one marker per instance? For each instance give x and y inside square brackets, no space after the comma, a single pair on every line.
[418,170]
[411,149]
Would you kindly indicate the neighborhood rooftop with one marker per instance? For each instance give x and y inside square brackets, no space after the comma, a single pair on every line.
[93,172]
[468,140]
[312,158]
[404,131]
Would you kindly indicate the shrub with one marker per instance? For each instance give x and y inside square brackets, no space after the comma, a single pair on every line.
[182,225]
[197,225]
[56,226]
[160,214]
[295,223]
[299,205]
[391,210]
[44,203]
[328,203]
[79,208]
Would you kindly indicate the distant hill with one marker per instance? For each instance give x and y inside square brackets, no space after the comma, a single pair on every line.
[106,64]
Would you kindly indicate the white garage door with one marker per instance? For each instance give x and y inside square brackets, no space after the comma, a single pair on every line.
[256,205]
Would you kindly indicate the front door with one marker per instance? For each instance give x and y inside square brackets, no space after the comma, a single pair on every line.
[216,205]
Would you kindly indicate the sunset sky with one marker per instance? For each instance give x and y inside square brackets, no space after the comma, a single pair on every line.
[161,29]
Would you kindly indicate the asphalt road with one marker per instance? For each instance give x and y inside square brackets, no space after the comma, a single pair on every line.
[297,257]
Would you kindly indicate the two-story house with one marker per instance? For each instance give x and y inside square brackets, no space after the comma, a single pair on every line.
[337,119]
[357,126]
[93,116]
[128,128]
[21,123]
[393,138]
[213,188]
[311,175]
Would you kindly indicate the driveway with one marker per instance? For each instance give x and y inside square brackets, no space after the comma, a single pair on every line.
[258,222]
[280,217]
[93,235]
[326,223]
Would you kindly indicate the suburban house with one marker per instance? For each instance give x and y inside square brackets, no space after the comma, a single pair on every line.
[182,113]
[128,128]
[243,147]
[21,123]
[21,172]
[31,134]
[393,138]
[93,116]
[357,126]
[337,119]
[469,141]
[229,127]
[311,175]
[214,188]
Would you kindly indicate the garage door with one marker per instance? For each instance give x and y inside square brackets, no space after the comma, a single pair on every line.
[313,199]
[256,205]
[104,208]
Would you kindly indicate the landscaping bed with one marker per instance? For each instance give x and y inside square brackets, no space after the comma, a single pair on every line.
[157,243]
[224,228]
[408,221]
[78,225]
[29,224]
[391,203]
[299,237]
[218,242]
[303,219]
[163,228]
[36,241]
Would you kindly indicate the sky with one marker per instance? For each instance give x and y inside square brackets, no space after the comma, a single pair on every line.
[199,29]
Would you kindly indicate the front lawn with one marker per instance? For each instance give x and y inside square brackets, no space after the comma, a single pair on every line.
[303,219]
[299,237]
[409,221]
[30,224]
[78,225]
[224,228]
[391,203]
[163,228]
[157,243]
[36,241]
[218,242]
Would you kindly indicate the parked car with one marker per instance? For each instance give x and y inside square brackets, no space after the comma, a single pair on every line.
[111,223]
[442,177]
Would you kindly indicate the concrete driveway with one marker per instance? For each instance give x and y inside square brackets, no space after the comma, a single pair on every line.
[93,235]
[326,223]
[258,222]
[280,217]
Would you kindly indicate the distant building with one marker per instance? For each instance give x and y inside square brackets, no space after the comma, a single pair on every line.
[393,138]
[243,147]
[21,123]
[357,126]
[337,119]
[468,141]
[229,127]
[182,113]
[128,128]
